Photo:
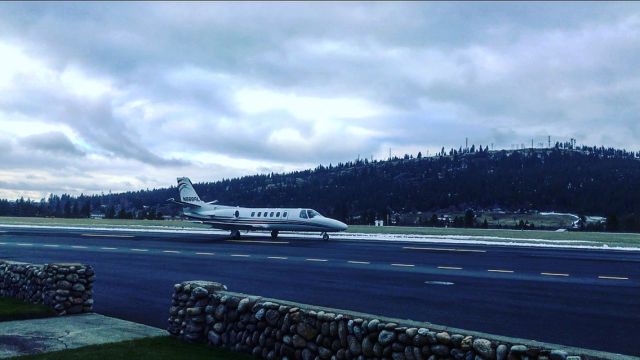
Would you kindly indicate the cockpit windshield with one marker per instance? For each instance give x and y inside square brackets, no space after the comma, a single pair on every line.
[312,213]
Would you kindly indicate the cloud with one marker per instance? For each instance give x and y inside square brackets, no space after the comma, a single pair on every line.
[233,88]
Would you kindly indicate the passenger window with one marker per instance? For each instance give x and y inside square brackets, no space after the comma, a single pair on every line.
[253,213]
[271,215]
[278,214]
[284,214]
[259,213]
[303,214]
[265,214]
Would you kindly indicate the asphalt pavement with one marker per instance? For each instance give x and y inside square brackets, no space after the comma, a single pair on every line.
[575,297]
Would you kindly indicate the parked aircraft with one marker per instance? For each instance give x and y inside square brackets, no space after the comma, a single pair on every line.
[236,218]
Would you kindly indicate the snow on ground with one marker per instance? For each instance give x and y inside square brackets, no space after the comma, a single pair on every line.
[411,238]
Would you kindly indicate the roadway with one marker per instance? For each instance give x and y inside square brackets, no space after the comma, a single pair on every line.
[576,297]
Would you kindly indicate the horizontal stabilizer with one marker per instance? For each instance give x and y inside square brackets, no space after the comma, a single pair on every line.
[182,203]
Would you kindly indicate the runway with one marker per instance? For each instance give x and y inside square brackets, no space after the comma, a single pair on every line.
[576,297]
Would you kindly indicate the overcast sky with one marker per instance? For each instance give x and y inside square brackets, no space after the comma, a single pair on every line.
[125,96]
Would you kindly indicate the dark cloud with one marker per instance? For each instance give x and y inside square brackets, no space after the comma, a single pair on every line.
[54,142]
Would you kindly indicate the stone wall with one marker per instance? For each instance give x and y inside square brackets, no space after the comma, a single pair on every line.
[67,288]
[274,329]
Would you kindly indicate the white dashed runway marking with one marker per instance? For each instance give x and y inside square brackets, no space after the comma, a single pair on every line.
[449,268]
[403,265]
[358,262]
[443,249]
[500,271]
[277,257]
[553,274]
[138,249]
[205,253]
[313,259]
[171,251]
[613,277]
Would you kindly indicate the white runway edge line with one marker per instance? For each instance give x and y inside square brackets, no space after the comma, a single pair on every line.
[449,268]
[108,235]
[438,282]
[443,249]
[259,241]
[612,277]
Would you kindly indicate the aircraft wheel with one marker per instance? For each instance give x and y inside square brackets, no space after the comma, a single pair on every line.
[235,234]
[274,234]
[325,236]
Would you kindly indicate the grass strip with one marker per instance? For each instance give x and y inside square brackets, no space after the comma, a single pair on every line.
[157,348]
[13,309]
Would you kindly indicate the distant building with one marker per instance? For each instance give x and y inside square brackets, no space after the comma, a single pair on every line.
[97,216]
[378,223]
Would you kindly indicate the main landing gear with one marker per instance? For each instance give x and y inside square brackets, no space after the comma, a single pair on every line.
[325,236]
[274,234]
[235,234]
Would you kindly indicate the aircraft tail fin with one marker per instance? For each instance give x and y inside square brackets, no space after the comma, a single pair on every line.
[188,194]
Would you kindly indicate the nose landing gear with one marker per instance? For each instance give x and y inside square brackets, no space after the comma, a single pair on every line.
[274,234]
[325,236]
[235,234]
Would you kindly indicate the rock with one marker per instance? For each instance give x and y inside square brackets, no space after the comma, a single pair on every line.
[367,347]
[324,353]
[386,337]
[423,331]
[443,338]
[214,338]
[298,341]
[272,317]
[354,346]
[307,354]
[440,350]
[218,327]
[466,343]
[457,354]
[397,356]
[518,349]
[199,292]
[260,314]
[419,340]
[573,357]
[411,332]
[502,352]
[483,348]
[408,353]
[558,355]
[373,325]
[377,350]
[342,333]
[306,331]
[244,305]
[357,331]
[456,340]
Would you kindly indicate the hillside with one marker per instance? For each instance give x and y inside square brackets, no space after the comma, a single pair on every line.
[588,180]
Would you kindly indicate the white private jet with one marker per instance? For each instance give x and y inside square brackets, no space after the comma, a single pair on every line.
[235,218]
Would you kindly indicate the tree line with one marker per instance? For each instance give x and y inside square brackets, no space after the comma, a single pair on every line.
[585,180]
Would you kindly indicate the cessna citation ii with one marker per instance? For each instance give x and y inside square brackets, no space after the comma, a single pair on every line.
[237,218]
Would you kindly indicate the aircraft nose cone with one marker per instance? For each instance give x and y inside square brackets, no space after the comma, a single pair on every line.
[342,226]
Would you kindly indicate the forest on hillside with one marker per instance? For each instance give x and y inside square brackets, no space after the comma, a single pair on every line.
[584,181]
